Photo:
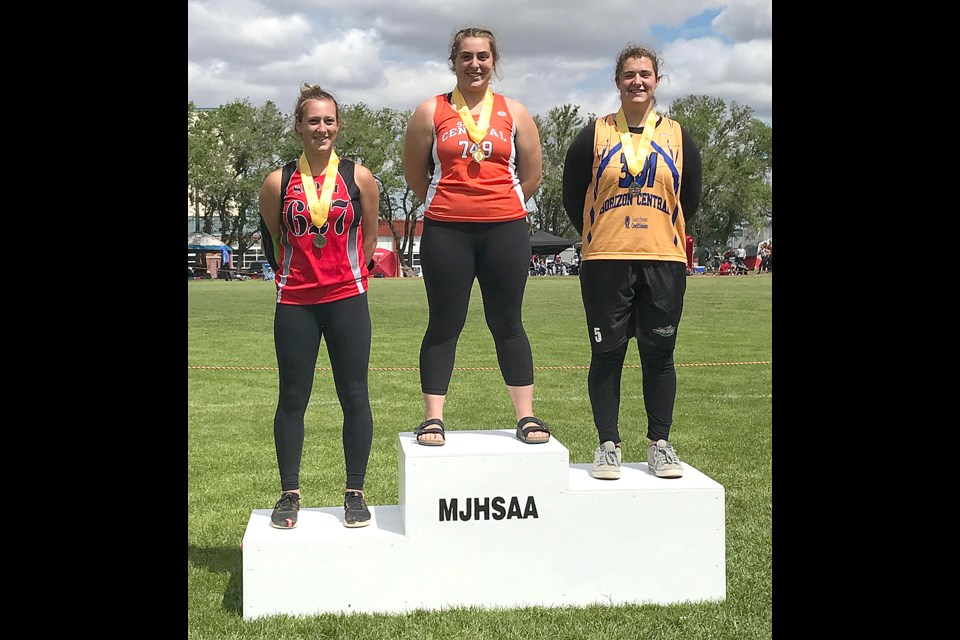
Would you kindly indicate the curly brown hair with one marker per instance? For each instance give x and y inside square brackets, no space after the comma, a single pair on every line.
[636,51]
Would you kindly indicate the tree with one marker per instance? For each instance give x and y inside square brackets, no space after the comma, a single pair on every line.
[557,131]
[375,139]
[203,163]
[231,149]
[250,139]
[736,149]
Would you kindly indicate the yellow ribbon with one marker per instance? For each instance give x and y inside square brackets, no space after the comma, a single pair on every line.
[636,158]
[319,208]
[477,130]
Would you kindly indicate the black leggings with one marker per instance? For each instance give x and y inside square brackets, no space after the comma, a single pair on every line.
[297,331]
[452,254]
[659,390]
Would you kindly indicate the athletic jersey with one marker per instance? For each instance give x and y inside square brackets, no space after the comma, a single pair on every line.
[314,275]
[621,226]
[462,190]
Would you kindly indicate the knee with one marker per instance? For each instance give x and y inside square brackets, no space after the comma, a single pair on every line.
[610,359]
[656,357]
[504,327]
[355,402]
[293,401]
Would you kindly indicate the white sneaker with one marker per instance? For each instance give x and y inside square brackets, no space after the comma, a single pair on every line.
[662,460]
[606,461]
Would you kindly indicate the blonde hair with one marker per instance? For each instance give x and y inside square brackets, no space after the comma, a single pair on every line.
[313,92]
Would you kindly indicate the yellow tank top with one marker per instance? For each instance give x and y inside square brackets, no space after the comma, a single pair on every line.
[649,225]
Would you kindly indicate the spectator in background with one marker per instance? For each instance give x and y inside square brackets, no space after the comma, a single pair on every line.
[718,258]
[726,268]
[575,264]
[740,255]
[703,258]
[764,255]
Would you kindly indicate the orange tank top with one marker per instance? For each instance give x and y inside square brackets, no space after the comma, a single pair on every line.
[462,189]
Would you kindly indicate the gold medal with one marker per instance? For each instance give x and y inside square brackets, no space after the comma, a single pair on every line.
[319,207]
[319,241]
[476,130]
[636,157]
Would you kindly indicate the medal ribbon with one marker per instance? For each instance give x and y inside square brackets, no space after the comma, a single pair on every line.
[636,157]
[477,130]
[319,208]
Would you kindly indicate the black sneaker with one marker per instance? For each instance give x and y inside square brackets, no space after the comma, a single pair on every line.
[355,512]
[285,512]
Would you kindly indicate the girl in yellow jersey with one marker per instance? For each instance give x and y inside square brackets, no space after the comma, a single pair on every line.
[631,181]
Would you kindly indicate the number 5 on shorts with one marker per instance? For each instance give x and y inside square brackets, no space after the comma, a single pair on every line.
[596,335]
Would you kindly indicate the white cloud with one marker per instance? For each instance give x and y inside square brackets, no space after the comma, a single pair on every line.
[242,30]
[746,20]
[741,73]
[394,54]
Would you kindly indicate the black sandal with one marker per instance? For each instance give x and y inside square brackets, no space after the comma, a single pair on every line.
[534,425]
[424,427]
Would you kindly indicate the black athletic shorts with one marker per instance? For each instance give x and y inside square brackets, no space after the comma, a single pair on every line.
[632,298]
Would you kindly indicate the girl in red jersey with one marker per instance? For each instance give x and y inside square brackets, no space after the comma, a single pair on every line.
[473,158]
[324,232]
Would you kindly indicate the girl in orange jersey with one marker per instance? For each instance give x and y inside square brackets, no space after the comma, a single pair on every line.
[473,157]
[631,182]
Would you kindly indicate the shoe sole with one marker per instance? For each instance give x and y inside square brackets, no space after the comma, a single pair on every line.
[606,475]
[669,473]
[354,525]
[280,526]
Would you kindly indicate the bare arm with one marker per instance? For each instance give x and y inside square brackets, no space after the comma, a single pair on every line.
[416,148]
[529,159]
[270,202]
[370,205]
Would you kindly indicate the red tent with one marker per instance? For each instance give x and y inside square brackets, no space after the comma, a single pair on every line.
[385,263]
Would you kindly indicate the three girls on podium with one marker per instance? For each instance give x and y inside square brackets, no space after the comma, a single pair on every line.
[473,158]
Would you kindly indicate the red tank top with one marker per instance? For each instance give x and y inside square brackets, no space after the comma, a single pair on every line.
[313,275]
[463,190]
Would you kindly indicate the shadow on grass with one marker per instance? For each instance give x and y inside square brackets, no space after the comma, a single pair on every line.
[228,560]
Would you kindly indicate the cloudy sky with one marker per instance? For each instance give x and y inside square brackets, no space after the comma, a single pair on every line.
[552,52]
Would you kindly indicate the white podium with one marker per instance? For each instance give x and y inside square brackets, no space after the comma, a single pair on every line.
[488,521]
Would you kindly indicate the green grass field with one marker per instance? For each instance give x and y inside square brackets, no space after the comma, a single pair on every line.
[722,426]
